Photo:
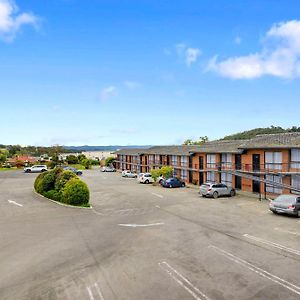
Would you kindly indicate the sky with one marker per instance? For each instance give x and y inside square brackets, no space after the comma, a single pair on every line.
[146,72]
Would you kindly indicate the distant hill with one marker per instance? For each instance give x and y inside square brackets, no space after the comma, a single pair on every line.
[100,148]
[254,132]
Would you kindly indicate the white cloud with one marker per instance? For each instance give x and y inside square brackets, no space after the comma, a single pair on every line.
[279,56]
[108,92]
[132,85]
[189,54]
[11,20]
[237,40]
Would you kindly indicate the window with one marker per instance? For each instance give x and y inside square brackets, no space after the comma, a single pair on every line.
[295,182]
[157,159]
[183,174]
[210,176]
[273,160]
[173,160]
[273,188]
[151,159]
[211,161]
[226,178]
[295,158]
[226,160]
[184,161]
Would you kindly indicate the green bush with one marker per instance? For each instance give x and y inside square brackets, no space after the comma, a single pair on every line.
[62,179]
[37,183]
[53,194]
[63,186]
[75,192]
[47,182]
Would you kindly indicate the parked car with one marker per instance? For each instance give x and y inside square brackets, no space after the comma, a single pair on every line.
[108,169]
[36,169]
[145,178]
[129,174]
[172,182]
[286,204]
[74,170]
[215,190]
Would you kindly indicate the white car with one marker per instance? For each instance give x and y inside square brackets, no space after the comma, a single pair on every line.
[129,174]
[145,178]
[36,169]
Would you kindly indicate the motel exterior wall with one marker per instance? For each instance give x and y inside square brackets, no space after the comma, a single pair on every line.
[198,164]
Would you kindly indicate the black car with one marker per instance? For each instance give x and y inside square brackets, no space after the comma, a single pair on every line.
[74,170]
[286,204]
[172,183]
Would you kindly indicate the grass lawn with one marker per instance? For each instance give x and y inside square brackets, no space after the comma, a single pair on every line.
[8,169]
[77,166]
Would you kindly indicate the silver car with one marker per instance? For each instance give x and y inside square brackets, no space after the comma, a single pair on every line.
[36,169]
[215,190]
[286,204]
[129,174]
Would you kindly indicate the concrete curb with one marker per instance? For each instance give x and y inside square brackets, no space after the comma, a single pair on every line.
[62,204]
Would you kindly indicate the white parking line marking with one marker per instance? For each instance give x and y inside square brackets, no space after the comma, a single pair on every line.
[292,287]
[157,195]
[141,225]
[287,231]
[182,281]
[278,246]
[91,295]
[15,203]
[157,206]
[99,291]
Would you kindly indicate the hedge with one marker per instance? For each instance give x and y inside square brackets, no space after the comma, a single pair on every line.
[62,186]
[75,192]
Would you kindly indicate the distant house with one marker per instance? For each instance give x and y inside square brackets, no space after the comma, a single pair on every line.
[22,160]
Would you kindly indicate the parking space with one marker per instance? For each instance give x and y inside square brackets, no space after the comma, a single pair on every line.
[144,242]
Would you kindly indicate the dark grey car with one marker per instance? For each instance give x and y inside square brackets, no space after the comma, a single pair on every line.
[286,204]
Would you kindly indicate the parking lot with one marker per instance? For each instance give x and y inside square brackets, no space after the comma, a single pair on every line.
[143,242]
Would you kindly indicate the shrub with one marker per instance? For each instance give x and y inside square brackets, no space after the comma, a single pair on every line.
[47,182]
[62,179]
[109,161]
[75,192]
[195,181]
[53,194]
[37,182]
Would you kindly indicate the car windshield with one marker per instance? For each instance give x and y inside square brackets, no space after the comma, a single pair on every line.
[285,199]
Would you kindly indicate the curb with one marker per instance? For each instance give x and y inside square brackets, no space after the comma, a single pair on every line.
[62,204]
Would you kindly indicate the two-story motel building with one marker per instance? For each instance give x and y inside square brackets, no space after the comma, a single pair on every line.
[273,157]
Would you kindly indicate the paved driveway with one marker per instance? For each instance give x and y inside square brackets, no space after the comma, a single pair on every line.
[143,242]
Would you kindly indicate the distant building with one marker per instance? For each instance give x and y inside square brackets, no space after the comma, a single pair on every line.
[99,155]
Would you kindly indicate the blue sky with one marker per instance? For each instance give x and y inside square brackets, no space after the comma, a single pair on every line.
[77,72]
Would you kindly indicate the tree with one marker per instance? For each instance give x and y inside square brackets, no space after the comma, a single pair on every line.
[155,173]
[72,159]
[166,171]
[109,160]
[3,158]
[202,140]
[86,163]
[81,157]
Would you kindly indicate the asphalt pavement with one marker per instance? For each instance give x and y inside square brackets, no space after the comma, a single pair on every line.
[143,242]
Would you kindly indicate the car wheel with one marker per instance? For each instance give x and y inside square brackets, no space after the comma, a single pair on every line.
[215,195]
[28,171]
[43,170]
[147,181]
[203,196]
[183,184]
[274,212]
[232,193]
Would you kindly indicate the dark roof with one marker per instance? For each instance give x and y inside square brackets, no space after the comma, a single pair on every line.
[170,150]
[276,140]
[225,146]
